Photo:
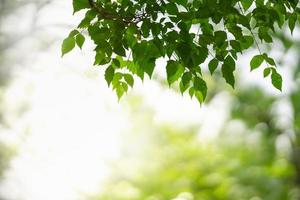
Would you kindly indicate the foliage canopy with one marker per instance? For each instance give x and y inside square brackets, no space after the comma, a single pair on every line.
[131,35]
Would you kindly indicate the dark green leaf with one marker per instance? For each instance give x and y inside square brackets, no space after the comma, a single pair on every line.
[246,42]
[172,9]
[119,49]
[220,38]
[292,22]
[276,79]
[212,65]
[174,71]
[267,71]
[256,61]
[109,75]
[228,68]
[80,4]
[200,88]
[246,4]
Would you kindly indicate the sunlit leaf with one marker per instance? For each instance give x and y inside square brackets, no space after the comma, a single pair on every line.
[67,45]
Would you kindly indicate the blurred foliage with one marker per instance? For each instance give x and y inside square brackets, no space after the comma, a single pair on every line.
[8,8]
[6,153]
[171,163]
[245,106]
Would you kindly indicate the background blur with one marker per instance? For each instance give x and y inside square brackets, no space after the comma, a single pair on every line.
[65,136]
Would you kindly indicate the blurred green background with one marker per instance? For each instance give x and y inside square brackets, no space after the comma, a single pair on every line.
[253,159]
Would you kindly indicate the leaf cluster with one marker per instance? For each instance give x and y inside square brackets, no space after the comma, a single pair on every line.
[130,35]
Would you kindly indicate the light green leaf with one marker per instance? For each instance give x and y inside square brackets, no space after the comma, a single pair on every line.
[80,40]
[116,79]
[191,92]
[120,91]
[73,33]
[129,79]
[67,45]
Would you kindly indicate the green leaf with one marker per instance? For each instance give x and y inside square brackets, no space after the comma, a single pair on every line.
[120,91]
[200,56]
[80,4]
[116,79]
[267,71]
[129,79]
[246,4]
[80,40]
[228,68]
[263,34]
[200,88]
[149,66]
[73,33]
[99,58]
[191,92]
[116,63]
[236,45]
[182,88]
[145,28]
[174,71]
[186,78]
[276,79]
[270,61]
[109,75]
[180,2]
[172,9]
[119,49]
[212,65]
[220,38]
[67,45]
[292,22]
[89,16]
[184,84]
[246,42]
[256,61]
[124,85]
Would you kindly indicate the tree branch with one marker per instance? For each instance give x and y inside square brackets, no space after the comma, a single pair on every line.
[104,13]
[113,16]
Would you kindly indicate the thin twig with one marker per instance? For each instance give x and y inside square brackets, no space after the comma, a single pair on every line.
[254,38]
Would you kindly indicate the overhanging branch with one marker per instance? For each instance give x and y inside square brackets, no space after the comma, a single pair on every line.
[105,14]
